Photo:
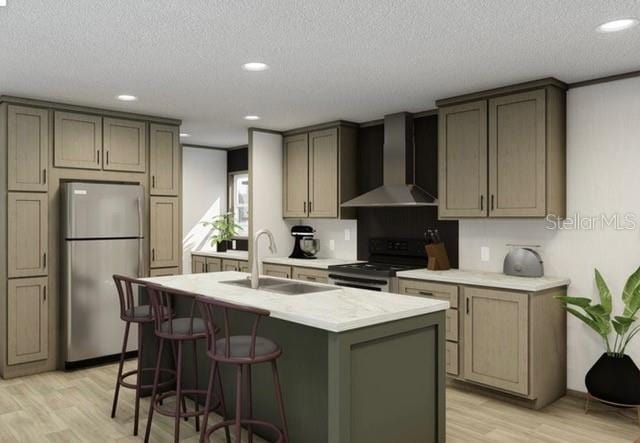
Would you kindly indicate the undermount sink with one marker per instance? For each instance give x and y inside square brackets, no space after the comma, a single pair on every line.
[280,286]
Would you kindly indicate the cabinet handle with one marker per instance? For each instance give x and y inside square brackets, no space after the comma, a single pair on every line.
[153,181]
[467,302]
[482,202]
[305,207]
[107,157]
[98,152]
[44,260]
[310,207]
[44,294]
[153,254]
[430,294]
[492,202]
[311,278]
[44,176]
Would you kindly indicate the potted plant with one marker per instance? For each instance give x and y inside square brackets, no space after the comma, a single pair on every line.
[224,230]
[614,378]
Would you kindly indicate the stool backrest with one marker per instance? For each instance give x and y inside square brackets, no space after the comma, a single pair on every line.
[162,299]
[209,306]
[125,285]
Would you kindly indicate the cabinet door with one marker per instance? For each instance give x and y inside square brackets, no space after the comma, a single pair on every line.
[163,272]
[496,339]
[27,236]
[311,275]
[125,145]
[198,264]
[213,265]
[323,174]
[230,265]
[517,155]
[296,176]
[244,266]
[77,141]
[27,320]
[28,147]
[462,158]
[165,232]
[164,158]
[276,270]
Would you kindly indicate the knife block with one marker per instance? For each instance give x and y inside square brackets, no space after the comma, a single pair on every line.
[437,258]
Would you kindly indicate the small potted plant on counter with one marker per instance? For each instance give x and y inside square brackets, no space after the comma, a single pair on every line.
[614,379]
[224,230]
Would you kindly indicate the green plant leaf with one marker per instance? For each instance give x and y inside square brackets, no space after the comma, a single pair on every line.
[578,301]
[605,293]
[591,323]
[631,294]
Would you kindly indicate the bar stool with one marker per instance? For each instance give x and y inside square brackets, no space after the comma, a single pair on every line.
[177,331]
[141,315]
[242,351]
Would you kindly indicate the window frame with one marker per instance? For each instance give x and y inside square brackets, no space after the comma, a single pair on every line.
[231,200]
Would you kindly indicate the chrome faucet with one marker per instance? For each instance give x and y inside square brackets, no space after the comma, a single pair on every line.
[255,276]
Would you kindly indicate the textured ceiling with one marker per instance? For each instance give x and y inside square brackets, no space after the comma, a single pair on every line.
[330,59]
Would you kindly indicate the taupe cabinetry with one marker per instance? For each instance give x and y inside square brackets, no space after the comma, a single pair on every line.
[311,275]
[165,232]
[27,320]
[125,145]
[201,263]
[198,264]
[78,140]
[163,272]
[318,172]
[496,339]
[502,152]
[164,165]
[213,265]
[276,270]
[28,148]
[27,234]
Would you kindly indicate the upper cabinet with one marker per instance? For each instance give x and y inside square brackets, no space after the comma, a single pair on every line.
[28,147]
[502,153]
[125,145]
[78,141]
[319,172]
[164,157]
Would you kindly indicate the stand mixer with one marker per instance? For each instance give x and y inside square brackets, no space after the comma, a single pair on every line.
[304,246]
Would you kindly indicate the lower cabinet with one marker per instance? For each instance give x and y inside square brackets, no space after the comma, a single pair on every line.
[496,339]
[212,264]
[276,270]
[244,266]
[312,275]
[201,263]
[27,320]
[198,264]
[451,358]
[163,272]
[165,232]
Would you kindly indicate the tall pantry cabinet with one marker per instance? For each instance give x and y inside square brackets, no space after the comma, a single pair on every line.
[43,145]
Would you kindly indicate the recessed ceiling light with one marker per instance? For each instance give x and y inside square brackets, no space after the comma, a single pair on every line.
[617,25]
[184,134]
[3,2]
[255,66]
[127,98]
[251,117]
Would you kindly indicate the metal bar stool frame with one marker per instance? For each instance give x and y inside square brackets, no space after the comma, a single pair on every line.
[130,312]
[208,306]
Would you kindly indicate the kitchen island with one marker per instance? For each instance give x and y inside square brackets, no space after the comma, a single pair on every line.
[357,366]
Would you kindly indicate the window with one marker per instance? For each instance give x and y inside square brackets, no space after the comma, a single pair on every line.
[239,201]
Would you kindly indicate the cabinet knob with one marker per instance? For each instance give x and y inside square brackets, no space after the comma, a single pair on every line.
[44,260]
[492,202]
[44,294]
[482,202]
[44,176]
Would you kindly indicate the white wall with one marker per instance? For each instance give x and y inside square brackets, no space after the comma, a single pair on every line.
[603,177]
[204,195]
[265,181]
[342,234]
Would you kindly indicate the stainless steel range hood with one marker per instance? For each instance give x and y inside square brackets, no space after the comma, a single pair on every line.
[398,185]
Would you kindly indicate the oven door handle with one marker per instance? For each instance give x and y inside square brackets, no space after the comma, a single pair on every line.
[353,285]
[360,280]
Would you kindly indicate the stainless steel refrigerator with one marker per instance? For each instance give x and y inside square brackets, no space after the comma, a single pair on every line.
[102,235]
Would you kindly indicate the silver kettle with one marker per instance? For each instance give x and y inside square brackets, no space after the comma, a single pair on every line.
[523,262]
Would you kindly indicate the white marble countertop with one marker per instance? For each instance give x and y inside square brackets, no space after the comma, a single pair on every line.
[316,263]
[338,310]
[488,279]
[230,255]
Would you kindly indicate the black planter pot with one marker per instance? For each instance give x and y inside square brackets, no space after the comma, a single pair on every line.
[614,379]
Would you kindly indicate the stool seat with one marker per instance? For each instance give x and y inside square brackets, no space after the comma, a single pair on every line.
[182,326]
[240,346]
[139,312]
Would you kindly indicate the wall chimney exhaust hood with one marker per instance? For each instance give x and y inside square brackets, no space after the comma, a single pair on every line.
[398,185]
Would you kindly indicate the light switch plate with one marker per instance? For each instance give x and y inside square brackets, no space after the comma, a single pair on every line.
[485,253]
[347,235]
[332,244]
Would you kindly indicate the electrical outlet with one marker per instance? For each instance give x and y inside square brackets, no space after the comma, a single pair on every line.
[332,245]
[347,235]
[485,253]
[233,244]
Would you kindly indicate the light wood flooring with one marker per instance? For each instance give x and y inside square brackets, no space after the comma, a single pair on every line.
[75,407]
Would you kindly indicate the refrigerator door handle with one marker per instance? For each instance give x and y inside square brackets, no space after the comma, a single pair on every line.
[140,247]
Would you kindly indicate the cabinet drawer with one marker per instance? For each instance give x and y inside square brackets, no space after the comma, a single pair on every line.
[213,265]
[428,289]
[451,324]
[276,270]
[451,358]
[312,275]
